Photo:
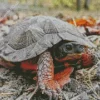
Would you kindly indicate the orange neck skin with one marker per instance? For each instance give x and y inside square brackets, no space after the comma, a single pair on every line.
[87,60]
[84,59]
[70,57]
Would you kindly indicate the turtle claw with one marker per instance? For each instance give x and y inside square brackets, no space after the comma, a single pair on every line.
[52,90]
[53,95]
[49,94]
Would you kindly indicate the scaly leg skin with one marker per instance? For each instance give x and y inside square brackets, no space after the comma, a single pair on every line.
[48,83]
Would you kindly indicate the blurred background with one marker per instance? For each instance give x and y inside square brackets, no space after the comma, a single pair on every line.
[59,8]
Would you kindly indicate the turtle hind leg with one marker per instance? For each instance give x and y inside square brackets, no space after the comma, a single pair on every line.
[6,64]
[47,81]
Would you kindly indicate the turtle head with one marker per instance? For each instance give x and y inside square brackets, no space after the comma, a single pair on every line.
[68,49]
[73,53]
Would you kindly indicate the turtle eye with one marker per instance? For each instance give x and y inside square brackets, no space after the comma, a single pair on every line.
[69,47]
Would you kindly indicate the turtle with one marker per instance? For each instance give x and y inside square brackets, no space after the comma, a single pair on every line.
[51,47]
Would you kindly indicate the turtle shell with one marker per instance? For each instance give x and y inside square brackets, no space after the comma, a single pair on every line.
[34,35]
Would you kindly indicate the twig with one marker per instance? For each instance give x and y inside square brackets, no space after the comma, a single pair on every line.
[33,93]
[12,7]
[76,97]
[6,94]
[65,97]
[30,89]
[74,22]
[29,96]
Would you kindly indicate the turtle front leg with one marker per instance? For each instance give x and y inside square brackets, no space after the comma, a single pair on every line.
[48,83]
